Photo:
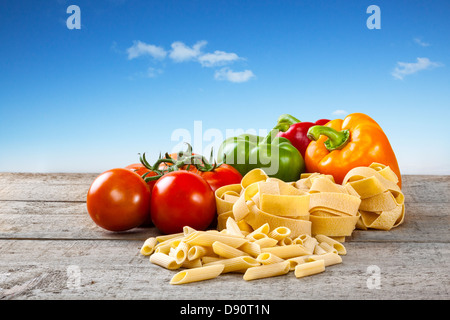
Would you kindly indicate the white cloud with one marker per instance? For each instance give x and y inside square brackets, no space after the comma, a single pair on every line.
[406,68]
[181,52]
[152,72]
[420,42]
[232,76]
[340,112]
[218,58]
[140,48]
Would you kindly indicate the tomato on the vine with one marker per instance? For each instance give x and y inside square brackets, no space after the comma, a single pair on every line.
[216,177]
[140,169]
[118,200]
[174,156]
[182,198]
[221,176]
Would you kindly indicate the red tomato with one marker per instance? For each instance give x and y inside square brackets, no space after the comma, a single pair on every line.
[182,198]
[221,176]
[118,200]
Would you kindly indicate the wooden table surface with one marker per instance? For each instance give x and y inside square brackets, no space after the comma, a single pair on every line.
[51,249]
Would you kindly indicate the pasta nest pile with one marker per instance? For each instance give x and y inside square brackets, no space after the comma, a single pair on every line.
[267,227]
[368,198]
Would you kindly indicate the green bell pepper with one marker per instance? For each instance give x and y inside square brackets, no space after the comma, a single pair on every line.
[275,155]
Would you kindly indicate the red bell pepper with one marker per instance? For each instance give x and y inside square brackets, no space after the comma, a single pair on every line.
[296,131]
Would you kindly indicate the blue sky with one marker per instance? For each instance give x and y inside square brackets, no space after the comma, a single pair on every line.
[137,72]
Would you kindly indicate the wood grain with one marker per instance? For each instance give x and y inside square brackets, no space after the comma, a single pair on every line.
[46,234]
[114,269]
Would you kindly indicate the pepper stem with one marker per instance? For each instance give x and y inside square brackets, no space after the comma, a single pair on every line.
[283,123]
[288,119]
[336,139]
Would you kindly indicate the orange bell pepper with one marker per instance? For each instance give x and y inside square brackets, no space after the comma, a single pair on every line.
[342,145]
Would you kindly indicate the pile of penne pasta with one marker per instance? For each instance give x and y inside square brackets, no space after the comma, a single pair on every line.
[259,253]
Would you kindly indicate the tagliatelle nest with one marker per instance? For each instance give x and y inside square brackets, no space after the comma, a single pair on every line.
[382,201]
[369,197]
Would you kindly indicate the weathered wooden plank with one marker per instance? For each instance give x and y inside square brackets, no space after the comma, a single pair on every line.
[82,269]
[42,192]
[424,188]
[44,208]
[57,220]
[64,227]
[74,187]
[424,222]
[47,178]
[45,186]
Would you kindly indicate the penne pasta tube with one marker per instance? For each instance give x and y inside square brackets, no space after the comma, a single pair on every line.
[325,246]
[309,268]
[279,233]
[196,252]
[149,246]
[318,250]
[256,236]
[236,264]
[293,262]
[266,242]
[226,251]
[163,248]
[208,238]
[329,258]
[297,241]
[266,271]
[251,248]
[335,244]
[209,259]
[181,252]
[233,228]
[212,231]
[174,243]
[188,230]
[304,237]
[310,243]
[286,252]
[268,258]
[262,229]
[164,260]
[285,242]
[168,240]
[169,237]
[197,263]
[197,274]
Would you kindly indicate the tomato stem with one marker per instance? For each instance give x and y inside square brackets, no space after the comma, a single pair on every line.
[184,158]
